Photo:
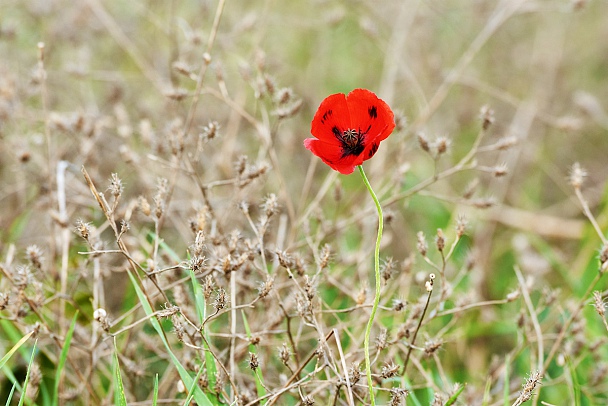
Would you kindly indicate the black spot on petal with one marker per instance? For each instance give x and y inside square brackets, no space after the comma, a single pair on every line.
[337,132]
[373,150]
[326,115]
[373,112]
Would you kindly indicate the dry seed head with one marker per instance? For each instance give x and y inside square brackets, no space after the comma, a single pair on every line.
[440,240]
[270,205]
[168,311]
[354,373]
[388,268]
[441,145]
[35,255]
[577,175]
[389,370]
[178,327]
[285,260]
[284,354]
[422,245]
[361,296]
[382,339]
[234,239]
[208,286]
[270,85]
[423,141]
[431,346]
[199,244]
[437,399]
[197,263]
[144,206]
[399,305]
[199,221]
[240,164]
[324,256]
[461,225]
[84,229]
[210,131]
[288,110]
[265,287]
[284,95]
[22,276]
[254,363]
[221,300]
[528,388]
[598,303]
[487,117]
[308,401]
[397,394]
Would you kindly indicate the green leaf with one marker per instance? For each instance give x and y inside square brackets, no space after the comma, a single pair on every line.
[454,397]
[27,375]
[63,358]
[8,355]
[119,390]
[194,386]
[505,394]
[10,396]
[155,394]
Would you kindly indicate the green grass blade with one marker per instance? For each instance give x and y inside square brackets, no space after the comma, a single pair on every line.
[10,353]
[505,394]
[155,393]
[259,378]
[63,358]
[119,389]
[10,396]
[27,375]
[454,397]
[199,396]
[198,297]
[576,387]
[201,311]
[486,393]
[194,386]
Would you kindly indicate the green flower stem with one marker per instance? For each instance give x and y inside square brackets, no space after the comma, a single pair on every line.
[368,329]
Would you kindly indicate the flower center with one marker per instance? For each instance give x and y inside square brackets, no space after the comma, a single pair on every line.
[351,137]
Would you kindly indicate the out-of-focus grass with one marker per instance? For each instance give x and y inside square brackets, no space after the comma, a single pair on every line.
[109,96]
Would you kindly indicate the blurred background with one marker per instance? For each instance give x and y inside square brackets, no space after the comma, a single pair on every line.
[219,104]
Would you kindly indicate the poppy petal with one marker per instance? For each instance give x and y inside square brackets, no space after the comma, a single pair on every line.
[333,156]
[331,119]
[370,116]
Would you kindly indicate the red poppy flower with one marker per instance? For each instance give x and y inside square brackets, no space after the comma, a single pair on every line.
[348,129]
